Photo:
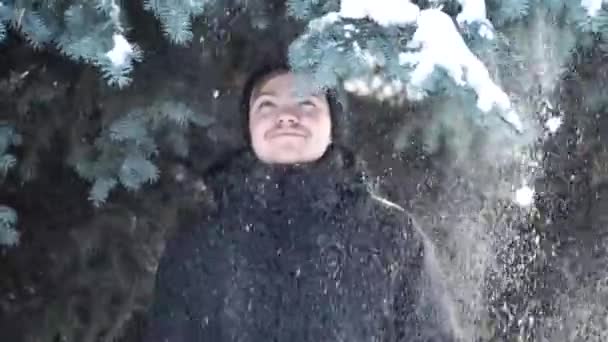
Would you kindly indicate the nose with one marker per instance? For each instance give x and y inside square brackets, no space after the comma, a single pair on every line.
[288,117]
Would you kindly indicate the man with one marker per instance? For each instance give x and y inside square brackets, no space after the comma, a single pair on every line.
[298,250]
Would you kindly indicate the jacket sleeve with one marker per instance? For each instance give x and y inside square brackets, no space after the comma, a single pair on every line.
[185,306]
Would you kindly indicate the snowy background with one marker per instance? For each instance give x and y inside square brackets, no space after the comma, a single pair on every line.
[485,119]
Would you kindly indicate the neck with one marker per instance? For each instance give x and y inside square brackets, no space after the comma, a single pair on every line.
[290,168]
[245,171]
[334,162]
[245,182]
[244,158]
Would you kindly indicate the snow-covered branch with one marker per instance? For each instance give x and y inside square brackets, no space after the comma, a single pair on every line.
[437,43]
[441,46]
[384,12]
[592,6]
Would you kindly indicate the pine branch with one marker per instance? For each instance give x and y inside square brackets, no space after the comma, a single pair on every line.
[8,220]
[123,154]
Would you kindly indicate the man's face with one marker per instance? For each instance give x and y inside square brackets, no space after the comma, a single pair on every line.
[286,128]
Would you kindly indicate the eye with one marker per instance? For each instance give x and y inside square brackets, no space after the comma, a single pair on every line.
[308,104]
[265,104]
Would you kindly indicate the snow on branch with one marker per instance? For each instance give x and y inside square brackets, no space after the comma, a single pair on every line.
[474,11]
[122,51]
[437,44]
[441,45]
[384,12]
[592,6]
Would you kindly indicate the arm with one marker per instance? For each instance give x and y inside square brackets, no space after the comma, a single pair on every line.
[417,309]
[170,319]
[406,319]
[185,298]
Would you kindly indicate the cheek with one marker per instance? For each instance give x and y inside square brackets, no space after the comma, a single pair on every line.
[257,129]
[323,126]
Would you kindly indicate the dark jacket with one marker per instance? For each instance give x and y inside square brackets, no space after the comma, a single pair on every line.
[293,254]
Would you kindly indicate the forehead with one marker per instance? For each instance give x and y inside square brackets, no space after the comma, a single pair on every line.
[284,84]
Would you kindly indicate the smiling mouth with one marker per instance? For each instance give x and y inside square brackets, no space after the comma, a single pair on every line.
[288,134]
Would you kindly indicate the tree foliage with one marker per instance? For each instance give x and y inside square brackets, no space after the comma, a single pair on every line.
[120,100]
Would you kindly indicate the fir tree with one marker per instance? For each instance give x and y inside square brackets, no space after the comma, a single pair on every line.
[8,216]
[483,72]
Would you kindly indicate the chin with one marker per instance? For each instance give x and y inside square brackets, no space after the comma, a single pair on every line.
[283,158]
[286,154]
[288,160]
[297,160]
